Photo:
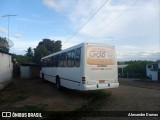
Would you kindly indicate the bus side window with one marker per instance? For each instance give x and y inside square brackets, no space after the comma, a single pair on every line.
[69,59]
[63,61]
[52,61]
[57,61]
[44,62]
[78,57]
[73,58]
[49,62]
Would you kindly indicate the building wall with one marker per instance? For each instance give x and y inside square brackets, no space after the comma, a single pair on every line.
[25,72]
[148,71]
[151,72]
[154,75]
[6,69]
[28,72]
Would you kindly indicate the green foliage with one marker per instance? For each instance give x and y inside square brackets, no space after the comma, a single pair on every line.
[135,69]
[23,59]
[20,59]
[29,55]
[4,46]
[46,47]
[29,52]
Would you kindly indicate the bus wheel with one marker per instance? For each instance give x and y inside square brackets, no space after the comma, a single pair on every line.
[58,83]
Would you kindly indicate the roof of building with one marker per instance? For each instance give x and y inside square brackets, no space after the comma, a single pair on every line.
[30,64]
[154,63]
[1,51]
[122,66]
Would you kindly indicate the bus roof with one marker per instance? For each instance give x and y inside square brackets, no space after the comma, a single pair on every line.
[76,46]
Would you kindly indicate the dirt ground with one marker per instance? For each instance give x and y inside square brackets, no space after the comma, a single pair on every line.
[132,95]
[35,94]
[139,83]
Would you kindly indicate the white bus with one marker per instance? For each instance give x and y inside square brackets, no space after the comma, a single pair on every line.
[87,66]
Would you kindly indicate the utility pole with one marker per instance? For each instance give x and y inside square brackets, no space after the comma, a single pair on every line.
[8,22]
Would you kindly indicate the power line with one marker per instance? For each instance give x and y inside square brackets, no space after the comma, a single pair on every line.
[113,20]
[87,21]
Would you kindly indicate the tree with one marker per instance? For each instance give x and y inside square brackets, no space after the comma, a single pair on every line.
[46,47]
[29,55]
[4,45]
[136,69]
[29,52]
[19,59]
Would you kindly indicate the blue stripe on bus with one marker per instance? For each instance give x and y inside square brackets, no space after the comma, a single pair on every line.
[70,80]
[63,78]
[48,75]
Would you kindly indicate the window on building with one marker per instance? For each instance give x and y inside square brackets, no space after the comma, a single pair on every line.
[155,66]
[149,66]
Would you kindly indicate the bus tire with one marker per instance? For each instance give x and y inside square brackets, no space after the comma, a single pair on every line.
[58,83]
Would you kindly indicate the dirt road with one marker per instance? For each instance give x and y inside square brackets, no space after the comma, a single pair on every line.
[39,95]
[128,98]
[143,97]
[35,95]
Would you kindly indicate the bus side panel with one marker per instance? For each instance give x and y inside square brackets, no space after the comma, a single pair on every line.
[49,75]
[71,77]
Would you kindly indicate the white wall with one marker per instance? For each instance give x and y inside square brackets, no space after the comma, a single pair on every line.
[154,75]
[25,72]
[6,69]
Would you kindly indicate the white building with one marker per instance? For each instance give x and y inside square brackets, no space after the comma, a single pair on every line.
[28,71]
[6,68]
[121,73]
[153,71]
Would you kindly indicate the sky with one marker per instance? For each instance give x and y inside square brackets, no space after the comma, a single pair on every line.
[132,26]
